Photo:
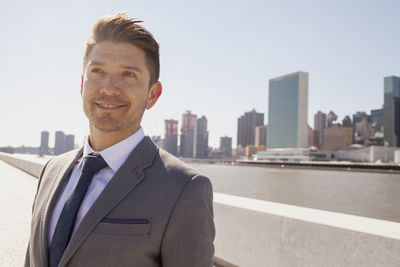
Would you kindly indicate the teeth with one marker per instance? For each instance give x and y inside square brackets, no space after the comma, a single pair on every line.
[107,106]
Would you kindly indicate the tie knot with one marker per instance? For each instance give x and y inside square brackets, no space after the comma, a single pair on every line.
[93,163]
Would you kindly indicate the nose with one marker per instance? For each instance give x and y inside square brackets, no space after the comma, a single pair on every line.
[110,86]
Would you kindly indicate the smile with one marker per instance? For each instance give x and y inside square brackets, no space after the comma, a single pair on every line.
[109,106]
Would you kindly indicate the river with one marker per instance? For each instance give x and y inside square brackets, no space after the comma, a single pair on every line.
[368,194]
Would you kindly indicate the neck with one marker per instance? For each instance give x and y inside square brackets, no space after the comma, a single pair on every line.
[100,140]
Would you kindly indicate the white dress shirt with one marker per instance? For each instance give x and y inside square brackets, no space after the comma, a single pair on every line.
[115,156]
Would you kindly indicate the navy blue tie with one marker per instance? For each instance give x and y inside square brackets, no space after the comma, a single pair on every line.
[65,225]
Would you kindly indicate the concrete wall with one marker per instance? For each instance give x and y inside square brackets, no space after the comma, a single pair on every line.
[255,233]
[368,154]
[26,165]
[259,233]
[397,156]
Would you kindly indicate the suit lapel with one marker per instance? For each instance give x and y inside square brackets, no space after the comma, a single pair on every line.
[61,177]
[129,175]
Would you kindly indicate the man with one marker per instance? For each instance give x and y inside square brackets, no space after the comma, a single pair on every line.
[120,200]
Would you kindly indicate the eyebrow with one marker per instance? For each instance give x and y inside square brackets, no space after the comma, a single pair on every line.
[129,67]
[132,68]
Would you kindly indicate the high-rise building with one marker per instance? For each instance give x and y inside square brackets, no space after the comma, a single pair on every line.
[313,137]
[59,143]
[346,122]
[358,117]
[187,134]
[250,150]
[246,127]
[226,146]
[337,137]
[364,130]
[377,119]
[69,142]
[287,111]
[260,137]
[391,110]
[330,118]
[170,142]
[44,143]
[320,124]
[200,145]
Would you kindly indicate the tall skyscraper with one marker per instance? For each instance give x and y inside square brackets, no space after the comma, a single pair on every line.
[246,127]
[69,142]
[391,110]
[200,145]
[287,111]
[44,143]
[377,119]
[320,124]
[330,118]
[170,142]
[226,146]
[59,143]
[260,136]
[187,134]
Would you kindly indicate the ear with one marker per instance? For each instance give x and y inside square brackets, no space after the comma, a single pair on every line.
[154,94]
[81,84]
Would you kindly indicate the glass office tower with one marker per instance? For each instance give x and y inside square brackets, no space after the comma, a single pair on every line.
[287,111]
[391,111]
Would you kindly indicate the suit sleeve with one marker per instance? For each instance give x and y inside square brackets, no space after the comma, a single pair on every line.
[27,257]
[188,240]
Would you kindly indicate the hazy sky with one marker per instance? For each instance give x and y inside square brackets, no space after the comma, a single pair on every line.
[216,59]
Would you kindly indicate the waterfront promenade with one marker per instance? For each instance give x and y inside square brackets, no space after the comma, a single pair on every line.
[250,231]
[17,189]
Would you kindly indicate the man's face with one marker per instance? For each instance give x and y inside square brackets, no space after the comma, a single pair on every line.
[115,87]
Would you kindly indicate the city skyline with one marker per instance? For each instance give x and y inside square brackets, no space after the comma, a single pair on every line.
[329,121]
[216,64]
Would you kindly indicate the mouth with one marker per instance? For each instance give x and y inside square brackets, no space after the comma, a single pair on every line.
[109,106]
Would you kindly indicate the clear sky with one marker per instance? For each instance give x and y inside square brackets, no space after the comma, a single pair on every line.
[216,59]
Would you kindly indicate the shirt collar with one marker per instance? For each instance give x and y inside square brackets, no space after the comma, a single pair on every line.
[118,153]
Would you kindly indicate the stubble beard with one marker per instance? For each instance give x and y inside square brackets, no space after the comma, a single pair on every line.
[109,123]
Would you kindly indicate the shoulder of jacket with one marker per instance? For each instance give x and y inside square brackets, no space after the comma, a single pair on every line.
[64,158]
[175,167]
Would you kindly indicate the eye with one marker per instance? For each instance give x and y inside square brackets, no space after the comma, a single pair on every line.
[96,70]
[129,74]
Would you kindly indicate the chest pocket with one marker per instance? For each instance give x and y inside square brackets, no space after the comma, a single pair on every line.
[122,229]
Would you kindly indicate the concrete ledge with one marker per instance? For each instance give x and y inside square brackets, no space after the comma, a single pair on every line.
[252,232]
[33,168]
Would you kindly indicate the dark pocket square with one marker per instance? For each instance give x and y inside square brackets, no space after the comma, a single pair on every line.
[125,221]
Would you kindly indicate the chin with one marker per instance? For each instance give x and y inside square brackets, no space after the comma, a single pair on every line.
[108,128]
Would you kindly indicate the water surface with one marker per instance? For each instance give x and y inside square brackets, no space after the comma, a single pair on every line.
[368,194]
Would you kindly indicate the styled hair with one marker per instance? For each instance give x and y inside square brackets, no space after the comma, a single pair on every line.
[121,28]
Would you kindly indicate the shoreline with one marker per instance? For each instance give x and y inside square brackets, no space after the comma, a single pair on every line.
[319,165]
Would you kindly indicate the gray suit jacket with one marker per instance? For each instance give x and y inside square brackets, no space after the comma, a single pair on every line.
[155,211]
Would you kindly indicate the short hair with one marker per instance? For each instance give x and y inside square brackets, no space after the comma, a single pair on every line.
[121,28]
